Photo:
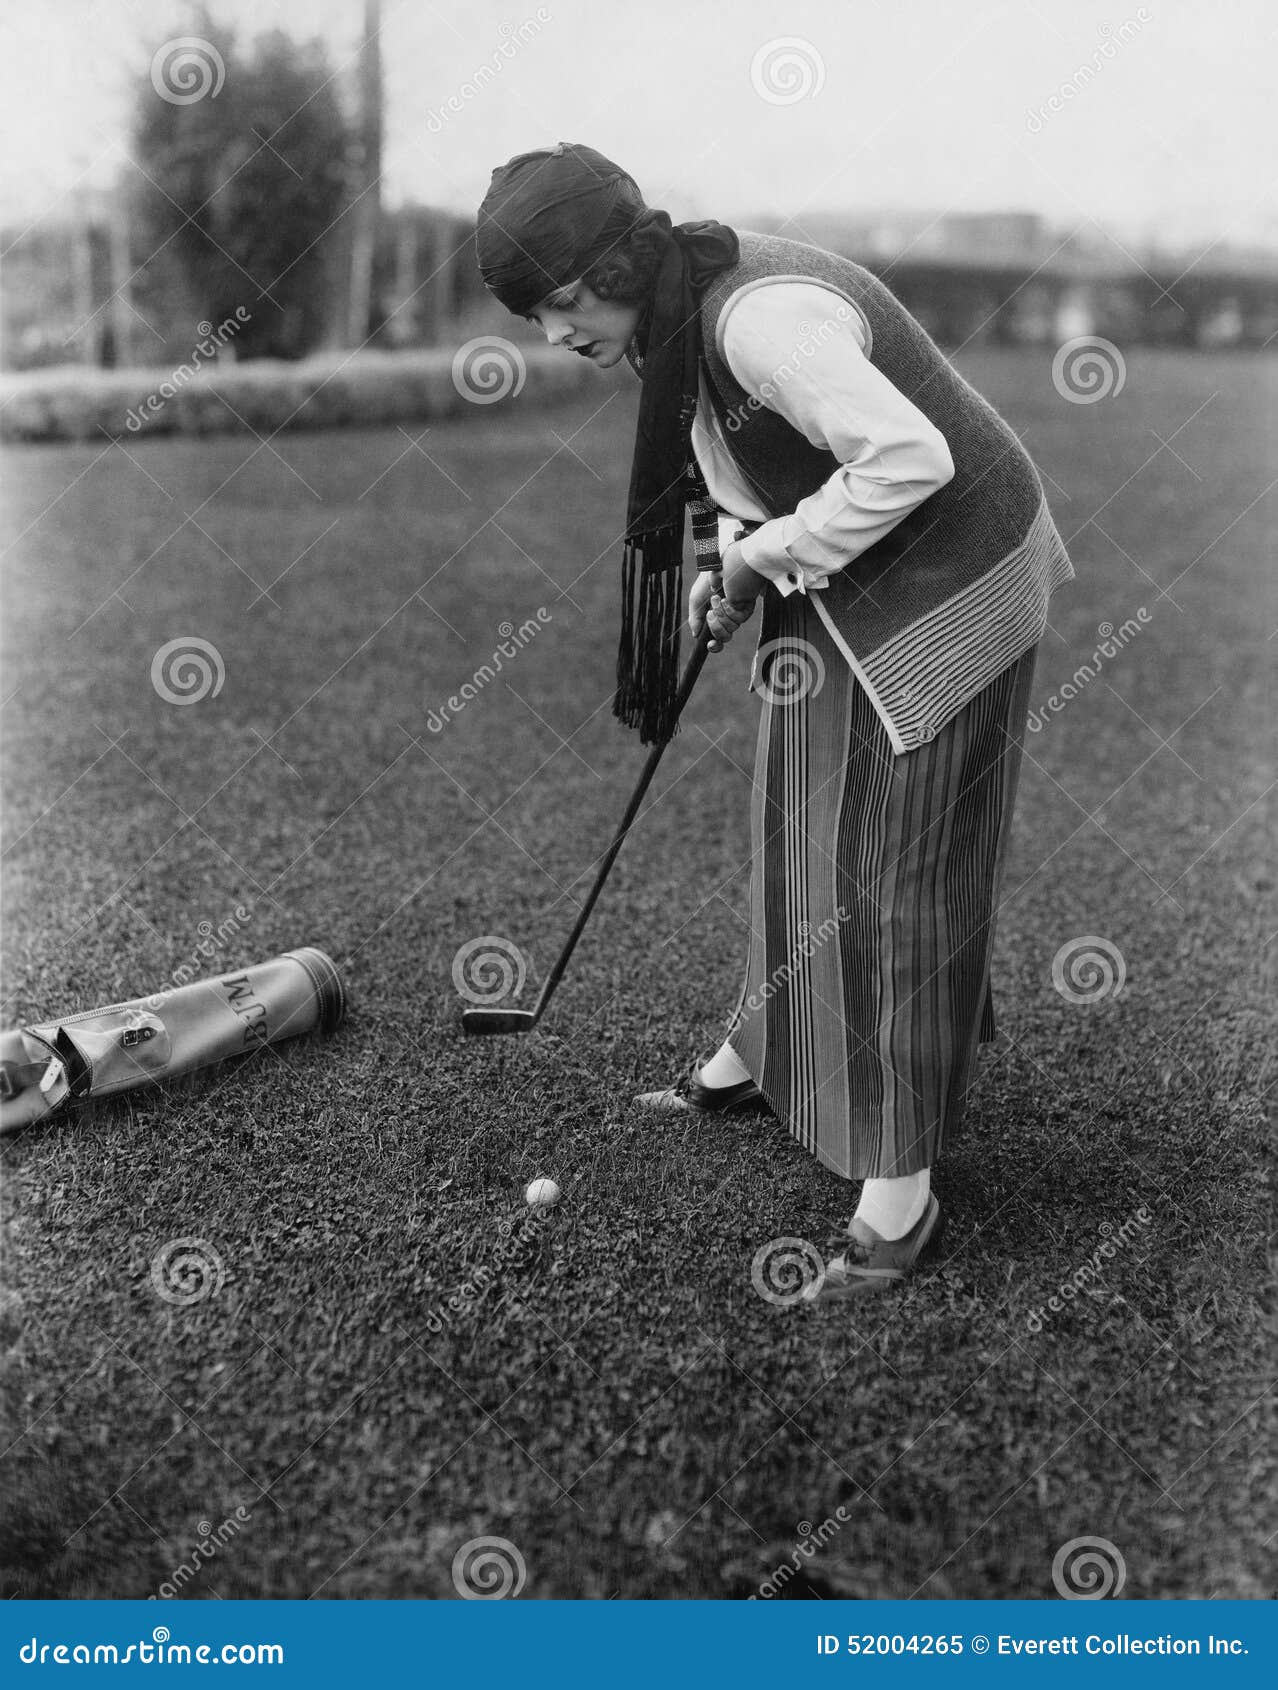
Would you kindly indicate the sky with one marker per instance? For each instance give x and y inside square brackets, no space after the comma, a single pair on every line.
[862,105]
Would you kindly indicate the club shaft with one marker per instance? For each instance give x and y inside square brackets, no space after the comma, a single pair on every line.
[690,673]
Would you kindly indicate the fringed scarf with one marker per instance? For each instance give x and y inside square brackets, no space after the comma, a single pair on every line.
[540,229]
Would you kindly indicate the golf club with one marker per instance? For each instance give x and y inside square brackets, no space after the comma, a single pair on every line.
[492,1021]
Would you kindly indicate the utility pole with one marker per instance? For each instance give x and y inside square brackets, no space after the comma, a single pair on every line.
[83,338]
[120,271]
[365,214]
[437,300]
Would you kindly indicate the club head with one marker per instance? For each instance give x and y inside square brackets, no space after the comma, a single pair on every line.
[489,1021]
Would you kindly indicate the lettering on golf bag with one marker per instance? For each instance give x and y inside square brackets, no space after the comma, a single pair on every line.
[239,994]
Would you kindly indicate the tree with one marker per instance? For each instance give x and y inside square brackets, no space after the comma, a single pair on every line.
[244,184]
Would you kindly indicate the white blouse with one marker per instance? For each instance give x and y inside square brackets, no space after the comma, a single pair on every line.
[801,349]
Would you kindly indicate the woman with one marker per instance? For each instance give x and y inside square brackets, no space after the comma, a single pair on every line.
[840,470]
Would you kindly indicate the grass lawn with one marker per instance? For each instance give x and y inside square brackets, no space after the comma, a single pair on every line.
[620,1404]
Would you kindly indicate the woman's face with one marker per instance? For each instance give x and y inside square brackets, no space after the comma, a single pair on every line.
[594,328]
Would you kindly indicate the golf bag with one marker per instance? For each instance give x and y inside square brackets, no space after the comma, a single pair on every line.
[102,1051]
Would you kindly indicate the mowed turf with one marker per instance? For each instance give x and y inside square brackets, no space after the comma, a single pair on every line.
[397,1360]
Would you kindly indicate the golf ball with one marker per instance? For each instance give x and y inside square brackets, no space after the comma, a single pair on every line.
[541,1193]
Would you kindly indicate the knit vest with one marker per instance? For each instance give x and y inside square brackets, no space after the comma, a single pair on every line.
[958,590]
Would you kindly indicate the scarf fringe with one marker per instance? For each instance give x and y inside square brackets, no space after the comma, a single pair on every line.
[651,621]
[664,477]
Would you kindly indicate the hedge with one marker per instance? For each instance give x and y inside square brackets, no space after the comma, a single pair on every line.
[334,390]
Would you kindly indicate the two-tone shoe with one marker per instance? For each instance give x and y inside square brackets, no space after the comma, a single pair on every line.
[867,1263]
[689,1094]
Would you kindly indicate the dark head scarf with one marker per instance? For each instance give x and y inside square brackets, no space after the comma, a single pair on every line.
[549,217]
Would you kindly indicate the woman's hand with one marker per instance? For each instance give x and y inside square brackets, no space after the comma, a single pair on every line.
[732,597]
[703,589]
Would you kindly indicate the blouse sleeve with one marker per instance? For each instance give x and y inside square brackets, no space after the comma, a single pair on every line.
[797,348]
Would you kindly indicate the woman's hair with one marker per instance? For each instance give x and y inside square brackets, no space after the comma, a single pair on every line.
[630,262]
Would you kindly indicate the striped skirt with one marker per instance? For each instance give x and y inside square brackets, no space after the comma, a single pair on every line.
[874,885]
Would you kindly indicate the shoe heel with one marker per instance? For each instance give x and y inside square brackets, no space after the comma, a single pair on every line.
[937,1234]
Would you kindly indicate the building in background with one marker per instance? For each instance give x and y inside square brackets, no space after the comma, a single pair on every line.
[77,290]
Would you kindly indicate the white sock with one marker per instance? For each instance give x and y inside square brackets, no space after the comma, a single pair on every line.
[725,1068]
[893,1206]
